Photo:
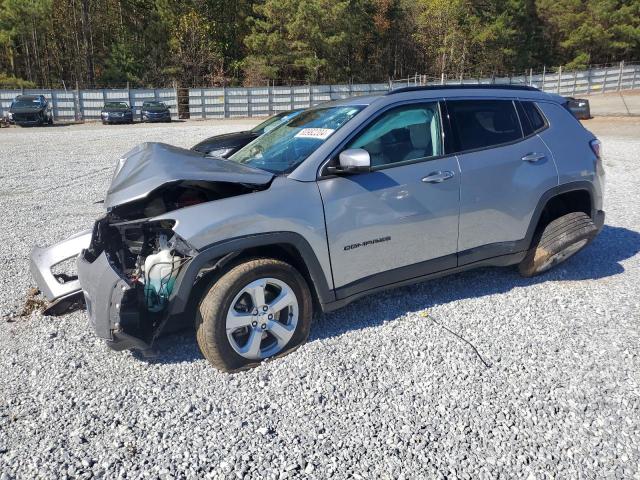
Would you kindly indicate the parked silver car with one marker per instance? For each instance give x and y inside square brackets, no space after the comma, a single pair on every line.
[344,200]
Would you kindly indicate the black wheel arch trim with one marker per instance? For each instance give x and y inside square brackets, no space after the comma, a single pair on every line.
[550,194]
[229,249]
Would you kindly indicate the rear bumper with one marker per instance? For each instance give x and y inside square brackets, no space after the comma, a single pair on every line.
[598,219]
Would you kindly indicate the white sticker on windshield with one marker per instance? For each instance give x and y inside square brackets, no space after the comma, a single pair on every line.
[319,133]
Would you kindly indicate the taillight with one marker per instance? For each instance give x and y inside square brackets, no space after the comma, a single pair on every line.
[596,146]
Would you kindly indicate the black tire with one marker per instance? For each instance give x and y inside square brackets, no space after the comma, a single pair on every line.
[212,312]
[559,240]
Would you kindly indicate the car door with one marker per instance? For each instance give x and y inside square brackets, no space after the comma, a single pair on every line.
[400,220]
[505,170]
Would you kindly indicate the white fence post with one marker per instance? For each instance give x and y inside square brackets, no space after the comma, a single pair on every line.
[620,75]
[544,76]
[559,78]
[604,82]
[175,96]
[633,81]
[129,97]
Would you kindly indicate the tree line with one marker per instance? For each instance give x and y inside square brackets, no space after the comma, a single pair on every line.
[87,43]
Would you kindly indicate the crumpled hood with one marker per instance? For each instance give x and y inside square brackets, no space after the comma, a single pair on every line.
[151,165]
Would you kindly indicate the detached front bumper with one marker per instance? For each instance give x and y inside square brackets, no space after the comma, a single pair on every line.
[59,289]
[112,303]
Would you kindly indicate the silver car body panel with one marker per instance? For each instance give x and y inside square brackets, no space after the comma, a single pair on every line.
[499,191]
[575,159]
[151,165]
[43,259]
[286,206]
[390,218]
[103,290]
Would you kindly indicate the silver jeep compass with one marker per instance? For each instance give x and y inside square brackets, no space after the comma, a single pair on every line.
[344,200]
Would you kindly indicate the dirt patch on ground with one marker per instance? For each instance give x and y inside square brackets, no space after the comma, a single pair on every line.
[32,303]
[622,127]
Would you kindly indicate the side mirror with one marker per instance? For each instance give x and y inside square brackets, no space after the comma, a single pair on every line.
[353,160]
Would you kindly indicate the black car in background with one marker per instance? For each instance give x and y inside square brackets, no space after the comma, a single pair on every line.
[155,112]
[116,112]
[579,107]
[27,110]
[229,143]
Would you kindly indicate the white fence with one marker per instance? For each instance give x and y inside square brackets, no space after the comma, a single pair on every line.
[567,83]
[69,105]
[255,102]
[78,105]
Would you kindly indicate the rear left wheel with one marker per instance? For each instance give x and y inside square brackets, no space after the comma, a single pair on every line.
[259,309]
[559,240]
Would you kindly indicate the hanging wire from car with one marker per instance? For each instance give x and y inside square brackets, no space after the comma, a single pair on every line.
[432,318]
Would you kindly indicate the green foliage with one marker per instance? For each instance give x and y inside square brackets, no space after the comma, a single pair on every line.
[122,66]
[255,42]
[12,82]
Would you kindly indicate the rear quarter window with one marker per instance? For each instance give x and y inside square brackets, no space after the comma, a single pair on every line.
[534,115]
[483,123]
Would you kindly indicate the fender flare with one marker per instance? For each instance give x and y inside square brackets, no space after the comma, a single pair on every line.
[187,277]
[548,196]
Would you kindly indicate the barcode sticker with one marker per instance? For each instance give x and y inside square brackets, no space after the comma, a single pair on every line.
[319,133]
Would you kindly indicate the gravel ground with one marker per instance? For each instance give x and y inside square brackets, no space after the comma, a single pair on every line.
[380,390]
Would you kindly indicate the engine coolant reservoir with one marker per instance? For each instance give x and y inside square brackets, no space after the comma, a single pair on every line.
[160,272]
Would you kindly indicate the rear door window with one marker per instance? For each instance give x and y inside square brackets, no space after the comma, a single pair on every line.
[483,123]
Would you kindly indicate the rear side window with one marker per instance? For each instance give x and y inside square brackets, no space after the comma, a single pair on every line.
[483,123]
[535,117]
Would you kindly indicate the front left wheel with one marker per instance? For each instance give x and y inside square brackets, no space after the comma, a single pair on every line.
[258,309]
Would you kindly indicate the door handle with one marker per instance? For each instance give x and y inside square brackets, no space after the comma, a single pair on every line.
[438,177]
[533,157]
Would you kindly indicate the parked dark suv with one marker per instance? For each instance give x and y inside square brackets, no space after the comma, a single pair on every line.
[344,200]
[116,112]
[31,110]
[153,111]
[227,144]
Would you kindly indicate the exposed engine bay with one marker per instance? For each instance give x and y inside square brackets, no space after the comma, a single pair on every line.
[128,265]
[146,253]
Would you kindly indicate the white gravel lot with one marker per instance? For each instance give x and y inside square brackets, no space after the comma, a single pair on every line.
[380,390]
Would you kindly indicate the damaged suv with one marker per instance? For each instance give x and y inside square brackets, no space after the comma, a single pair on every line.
[344,200]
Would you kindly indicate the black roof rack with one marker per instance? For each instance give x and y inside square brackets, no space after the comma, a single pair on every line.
[466,86]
